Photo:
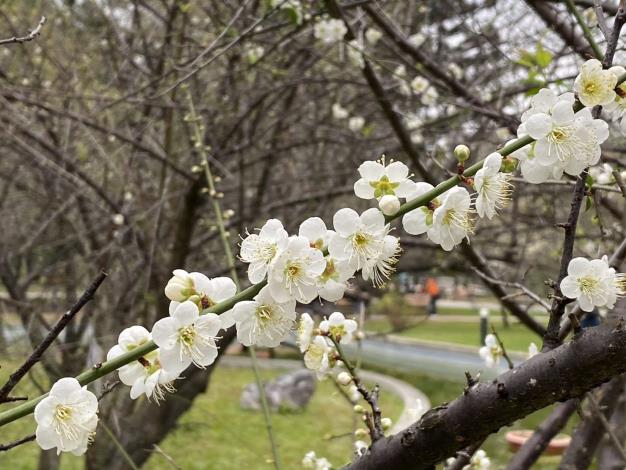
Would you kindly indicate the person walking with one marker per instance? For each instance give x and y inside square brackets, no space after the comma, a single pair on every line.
[432,289]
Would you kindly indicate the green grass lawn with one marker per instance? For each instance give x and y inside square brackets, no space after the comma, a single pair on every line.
[516,337]
[216,433]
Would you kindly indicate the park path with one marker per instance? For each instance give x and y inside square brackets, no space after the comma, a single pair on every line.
[406,392]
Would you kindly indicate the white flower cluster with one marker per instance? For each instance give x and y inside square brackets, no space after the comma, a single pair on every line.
[312,461]
[355,123]
[592,283]
[568,141]
[478,461]
[317,344]
[330,30]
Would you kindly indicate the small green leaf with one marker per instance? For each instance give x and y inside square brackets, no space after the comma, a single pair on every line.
[588,203]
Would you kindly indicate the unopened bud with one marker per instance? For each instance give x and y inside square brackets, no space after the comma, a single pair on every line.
[217,179]
[228,213]
[196,169]
[389,204]
[386,423]
[359,335]
[509,164]
[360,433]
[219,195]
[462,153]
[344,378]
[359,409]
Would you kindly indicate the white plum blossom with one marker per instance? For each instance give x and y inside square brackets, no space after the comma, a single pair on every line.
[263,321]
[254,53]
[199,289]
[355,54]
[478,461]
[338,327]
[317,356]
[339,112]
[401,79]
[566,139]
[452,219]
[145,376]
[315,231]
[305,332]
[344,378]
[417,39]
[333,282]
[492,186]
[330,31]
[356,123]
[593,283]
[358,239]
[380,268]
[420,220]
[295,271]
[372,35]
[602,174]
[617,107]
[186,337]
[379,179]
[594,85]
[67,417]
[419,85]
[491,352]
[261,250]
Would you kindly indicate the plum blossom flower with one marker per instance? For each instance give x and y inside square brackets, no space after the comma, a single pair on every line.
[295,271]
[329,31]
[355,54]
[565,139]
[338,327]
[417,39]
[198,288]
[305,330]
[263,321]
[401,79]
[379,179]
[492,186]
[594,85]
[261,250]
[315,231]
[186,337]
[478,461]
[452,219]
[380,268]
[145,376]
[356,123]
[372,35]
[333,282]
[602,174]
[67,417]
[491,352]
[317,356]
[593,283]
[617,107]
[358,239]
[339,112]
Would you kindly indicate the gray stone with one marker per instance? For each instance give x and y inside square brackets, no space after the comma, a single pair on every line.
[288,392]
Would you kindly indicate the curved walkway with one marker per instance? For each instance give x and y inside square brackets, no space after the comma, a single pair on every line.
[406,392]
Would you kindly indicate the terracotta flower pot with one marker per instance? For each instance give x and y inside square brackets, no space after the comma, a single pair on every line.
[556,446]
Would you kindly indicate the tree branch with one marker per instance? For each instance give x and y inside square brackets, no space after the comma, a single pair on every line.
[29,37]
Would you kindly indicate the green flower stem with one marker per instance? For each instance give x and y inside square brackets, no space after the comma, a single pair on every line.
[100,370]
[586,31]
[230,258]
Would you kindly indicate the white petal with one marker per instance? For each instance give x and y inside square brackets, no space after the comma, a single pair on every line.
[346,221]
[397,172]
[373,219]
[64,387]
[164,333]
[186,313]
[313,229]
[371,171]
[538,125]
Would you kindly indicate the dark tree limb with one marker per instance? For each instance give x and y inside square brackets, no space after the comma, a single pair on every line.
[589,432]
[566,372]
[56,330]
[532,449]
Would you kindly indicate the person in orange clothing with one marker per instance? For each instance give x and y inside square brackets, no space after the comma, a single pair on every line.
[432,289]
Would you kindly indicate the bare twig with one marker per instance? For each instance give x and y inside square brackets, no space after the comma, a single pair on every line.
[620,182]
[29,37]
[464,456]
[501,344]
[525,290]
[597,7]
[11,445]
[58,327]
[607,427]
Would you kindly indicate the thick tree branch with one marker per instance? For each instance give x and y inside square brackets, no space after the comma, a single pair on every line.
[566,372]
